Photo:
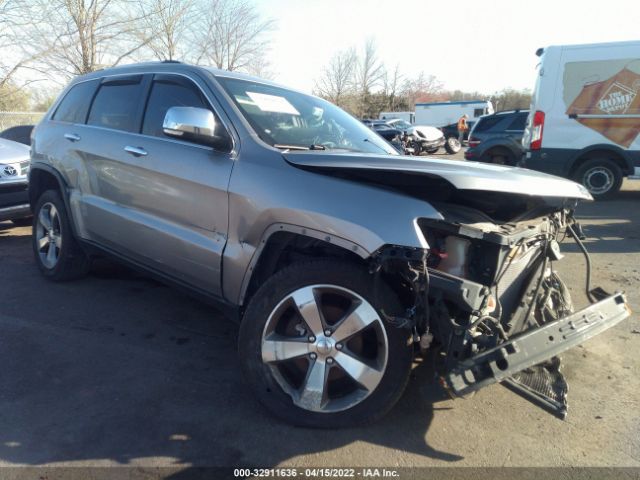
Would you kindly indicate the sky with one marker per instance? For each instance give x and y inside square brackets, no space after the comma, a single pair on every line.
[478,45]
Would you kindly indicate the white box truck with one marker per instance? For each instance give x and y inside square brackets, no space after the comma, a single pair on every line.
[584,121]
[442,114]
[406,116]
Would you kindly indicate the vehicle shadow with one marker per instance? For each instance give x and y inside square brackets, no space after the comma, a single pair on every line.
[122,369]
[610,225]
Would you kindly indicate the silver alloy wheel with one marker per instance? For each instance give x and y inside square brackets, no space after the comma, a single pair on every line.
[598,180]
[326,347]
[48,235]
[454,143]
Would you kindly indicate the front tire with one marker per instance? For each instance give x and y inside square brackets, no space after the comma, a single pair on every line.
[601,176]
[317,350]
[56,252]
[452,145]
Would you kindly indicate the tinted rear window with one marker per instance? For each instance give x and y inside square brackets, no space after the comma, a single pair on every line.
[75,104]
[116,106]
[519,122]
[488,123]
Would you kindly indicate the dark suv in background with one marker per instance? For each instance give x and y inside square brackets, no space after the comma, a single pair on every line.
[497,138]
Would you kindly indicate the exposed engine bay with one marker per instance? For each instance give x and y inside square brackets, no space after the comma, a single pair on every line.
[484,293]
[495,308]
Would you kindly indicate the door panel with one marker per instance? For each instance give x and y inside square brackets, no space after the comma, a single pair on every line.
[166,209]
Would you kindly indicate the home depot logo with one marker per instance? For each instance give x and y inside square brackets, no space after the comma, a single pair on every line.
[617,99]
[613,106]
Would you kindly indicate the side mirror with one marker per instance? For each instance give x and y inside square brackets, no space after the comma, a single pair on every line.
[193,124]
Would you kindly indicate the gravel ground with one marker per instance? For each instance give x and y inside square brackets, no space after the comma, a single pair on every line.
[117,369]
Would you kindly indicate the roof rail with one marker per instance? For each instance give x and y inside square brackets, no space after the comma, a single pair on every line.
[171,61]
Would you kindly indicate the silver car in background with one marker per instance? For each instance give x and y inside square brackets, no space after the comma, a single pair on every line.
[339,257]
[14,169]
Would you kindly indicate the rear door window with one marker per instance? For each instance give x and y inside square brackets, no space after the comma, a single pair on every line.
[117,104]
[166,92]
[74,106]
[518,122]
[488,123]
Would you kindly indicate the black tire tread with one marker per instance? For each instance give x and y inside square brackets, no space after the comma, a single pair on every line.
[73,262]
[613,166]
[341,273]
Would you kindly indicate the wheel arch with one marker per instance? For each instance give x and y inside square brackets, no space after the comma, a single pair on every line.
[610,152]
[43,177]
[281,245]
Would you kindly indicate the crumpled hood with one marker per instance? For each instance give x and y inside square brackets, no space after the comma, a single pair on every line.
[462,175]
[13,152]
[428,133]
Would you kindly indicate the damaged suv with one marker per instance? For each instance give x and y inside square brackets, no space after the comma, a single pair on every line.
[340,257]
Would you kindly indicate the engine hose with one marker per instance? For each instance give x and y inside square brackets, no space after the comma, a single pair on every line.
[545,261]
[588,260]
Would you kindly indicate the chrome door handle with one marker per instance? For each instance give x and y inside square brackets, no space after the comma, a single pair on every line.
[136,151]
[72,137]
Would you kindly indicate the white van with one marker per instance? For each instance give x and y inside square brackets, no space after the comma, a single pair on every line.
[441,114]
[406,116]
[584,122]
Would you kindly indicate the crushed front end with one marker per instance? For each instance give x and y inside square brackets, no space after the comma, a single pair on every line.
[490,300]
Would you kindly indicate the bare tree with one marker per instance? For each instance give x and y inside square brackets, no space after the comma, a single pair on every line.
[166,25]
[337,78]
[370,69]
[369,75]
[232,35]
[423,88]
[74,37]
[391,87]
[16,57]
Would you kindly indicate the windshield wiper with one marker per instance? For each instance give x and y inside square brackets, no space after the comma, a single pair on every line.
[290,147]
[300,147]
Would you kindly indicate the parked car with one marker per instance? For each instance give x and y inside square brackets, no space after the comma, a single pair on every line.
[14,167]
[390,134]
[497,138]
[407,138]
[422,138]
[19,133]
[338,256]
[585,112]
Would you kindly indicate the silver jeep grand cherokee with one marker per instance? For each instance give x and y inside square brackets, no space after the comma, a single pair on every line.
[340,258]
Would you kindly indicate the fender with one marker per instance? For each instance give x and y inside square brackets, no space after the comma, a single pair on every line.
[621,152]
[501,142]
[63,187]
[304,231]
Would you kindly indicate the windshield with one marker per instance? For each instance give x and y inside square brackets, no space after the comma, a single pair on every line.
[401,124]
[291,120]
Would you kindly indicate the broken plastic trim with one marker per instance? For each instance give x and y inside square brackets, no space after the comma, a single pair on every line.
[414,261]
[536,346]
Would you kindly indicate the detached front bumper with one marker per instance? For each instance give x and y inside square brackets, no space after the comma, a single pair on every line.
[536,346]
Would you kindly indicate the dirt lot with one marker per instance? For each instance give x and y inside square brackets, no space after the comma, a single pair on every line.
[117,369]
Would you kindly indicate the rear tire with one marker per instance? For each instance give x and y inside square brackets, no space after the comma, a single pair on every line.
[499,157]
[56,251]
[282,379]
[601,176]
[452,145]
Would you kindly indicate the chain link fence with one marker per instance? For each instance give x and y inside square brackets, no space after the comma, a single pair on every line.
[11,119]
